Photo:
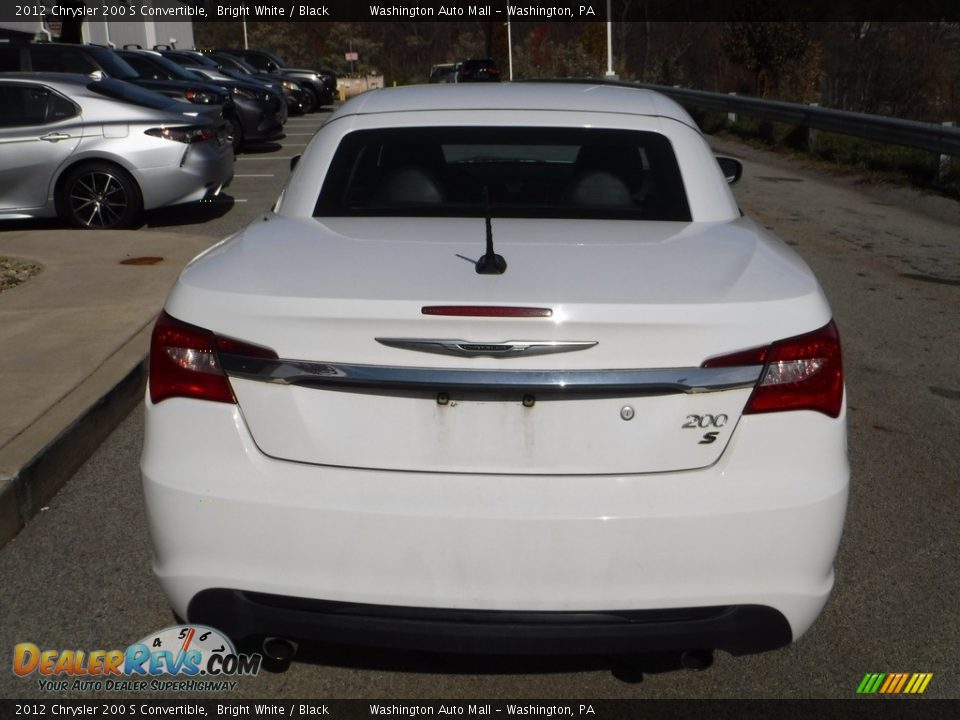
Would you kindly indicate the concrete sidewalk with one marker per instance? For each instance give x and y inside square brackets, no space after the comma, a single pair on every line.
[73,340]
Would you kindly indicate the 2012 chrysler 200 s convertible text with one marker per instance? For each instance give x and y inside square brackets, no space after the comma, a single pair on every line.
[505,371]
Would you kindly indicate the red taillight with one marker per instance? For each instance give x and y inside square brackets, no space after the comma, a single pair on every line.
[800,373]
[184,361]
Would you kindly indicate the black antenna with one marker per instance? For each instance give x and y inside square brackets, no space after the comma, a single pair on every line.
[490,263]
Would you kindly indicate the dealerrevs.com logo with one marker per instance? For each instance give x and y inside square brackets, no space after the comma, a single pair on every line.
[199,658]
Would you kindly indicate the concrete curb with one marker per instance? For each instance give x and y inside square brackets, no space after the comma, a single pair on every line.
[75,338]
[42,476]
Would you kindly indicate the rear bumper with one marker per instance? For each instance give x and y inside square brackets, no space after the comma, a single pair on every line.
[736,629]
[250,543]
[202,171]
[262,119]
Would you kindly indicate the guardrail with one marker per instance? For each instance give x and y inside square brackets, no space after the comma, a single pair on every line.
[943,139]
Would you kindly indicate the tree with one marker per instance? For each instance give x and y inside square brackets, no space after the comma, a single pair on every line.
[766,49]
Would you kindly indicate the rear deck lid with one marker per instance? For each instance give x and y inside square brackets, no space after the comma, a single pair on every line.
[368,380]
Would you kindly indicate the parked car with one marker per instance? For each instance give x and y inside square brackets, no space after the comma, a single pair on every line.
[478,70]
[259,113]
[506,370]
[295,95]
[99,152]
[320,86]
[94,59]
[444,73]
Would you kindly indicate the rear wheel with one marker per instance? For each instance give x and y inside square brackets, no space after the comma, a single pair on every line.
[311,103]
[236,132]
[100,196]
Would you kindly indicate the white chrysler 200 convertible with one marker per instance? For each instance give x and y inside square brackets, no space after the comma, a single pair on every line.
[506,370]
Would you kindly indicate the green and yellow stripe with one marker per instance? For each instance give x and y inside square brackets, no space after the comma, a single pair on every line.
[894,683]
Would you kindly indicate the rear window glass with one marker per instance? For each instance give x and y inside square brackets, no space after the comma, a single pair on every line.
[520,172]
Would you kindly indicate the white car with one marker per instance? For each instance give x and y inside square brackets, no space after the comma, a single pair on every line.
[505,371]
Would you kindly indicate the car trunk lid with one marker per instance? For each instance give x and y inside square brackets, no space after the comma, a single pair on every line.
[368,380]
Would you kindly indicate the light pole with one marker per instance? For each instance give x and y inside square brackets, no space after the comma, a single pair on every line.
[509,44]
[610,73]
[245,45]
[509,48]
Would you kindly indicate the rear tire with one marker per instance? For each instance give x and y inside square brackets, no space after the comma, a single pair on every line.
[237,136]
[311,103]
[100,196]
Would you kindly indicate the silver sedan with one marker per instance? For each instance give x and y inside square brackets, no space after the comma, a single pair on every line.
[97,152]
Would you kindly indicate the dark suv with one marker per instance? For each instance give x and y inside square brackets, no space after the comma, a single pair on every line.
[240,69]
[478,70]
[320,86]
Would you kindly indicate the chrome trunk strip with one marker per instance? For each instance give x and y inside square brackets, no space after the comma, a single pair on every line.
[379,377]
[505,349]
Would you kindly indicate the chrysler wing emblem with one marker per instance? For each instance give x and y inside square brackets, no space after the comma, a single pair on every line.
[507,349]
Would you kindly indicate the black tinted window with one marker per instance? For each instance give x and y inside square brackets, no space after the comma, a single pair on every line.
[262,61]
[54,58]
[525,172]
[9,58]
[59,108]
[273,61]
[258,61]
[27,105]
[82,60]
[145,68]
[233,63]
